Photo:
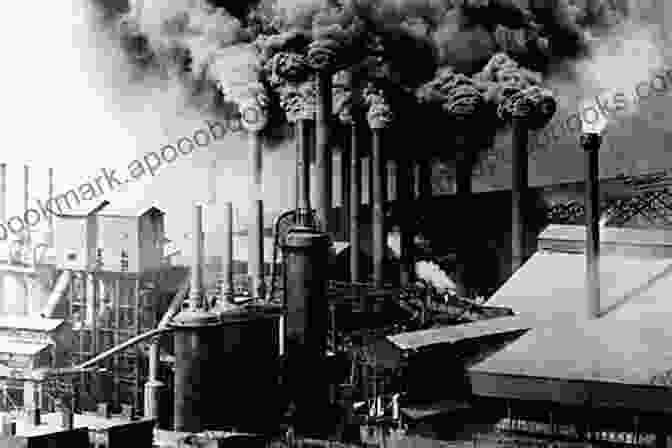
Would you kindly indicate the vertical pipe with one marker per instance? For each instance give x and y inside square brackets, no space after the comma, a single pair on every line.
[345,190]
[153,386]
[591,145]
[26,187]
[355,202]
[519,170]
[378,207]
[323,160]
[403,203]
[26,201]
[256,224]
[196,289]
[227,287]
[303,171]
[3,192]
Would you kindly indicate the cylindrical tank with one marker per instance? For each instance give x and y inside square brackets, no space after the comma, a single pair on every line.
[198,359]
[226,370]
[306,257]
[248,370]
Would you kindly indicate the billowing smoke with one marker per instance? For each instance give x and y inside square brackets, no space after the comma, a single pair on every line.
[435,276]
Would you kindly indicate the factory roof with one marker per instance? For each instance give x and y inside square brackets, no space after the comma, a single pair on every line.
[628,344]
[108,208]
[8,345]
[414,340]
[34,323]
[609,235]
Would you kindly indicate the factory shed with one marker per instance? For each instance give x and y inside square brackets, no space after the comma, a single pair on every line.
[619,360]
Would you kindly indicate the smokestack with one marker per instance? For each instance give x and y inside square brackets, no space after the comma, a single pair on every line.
[591,140]
[378,207]
[519,172]
[227,287]
[591,144]
[323,159]
[50,219]
[196,291]
[3,192]
[345,190]
[355,201]
[303,173]
[256,225]
[26,187]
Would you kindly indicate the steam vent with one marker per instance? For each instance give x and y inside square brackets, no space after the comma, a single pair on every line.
[384,224]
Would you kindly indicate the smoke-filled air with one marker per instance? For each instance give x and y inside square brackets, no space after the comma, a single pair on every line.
[411,61]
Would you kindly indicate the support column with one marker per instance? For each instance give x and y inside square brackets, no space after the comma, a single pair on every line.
[323,159]
[519,187]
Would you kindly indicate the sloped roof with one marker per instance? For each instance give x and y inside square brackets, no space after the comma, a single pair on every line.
[629,344]
[20,348]
[414,340]
[34,323]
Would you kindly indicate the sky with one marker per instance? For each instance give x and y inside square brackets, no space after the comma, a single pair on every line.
[68,104]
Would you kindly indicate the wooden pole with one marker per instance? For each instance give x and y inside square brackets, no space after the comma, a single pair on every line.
[323,160]
[519,186]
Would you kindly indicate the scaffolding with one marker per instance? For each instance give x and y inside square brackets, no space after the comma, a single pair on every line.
[106,309]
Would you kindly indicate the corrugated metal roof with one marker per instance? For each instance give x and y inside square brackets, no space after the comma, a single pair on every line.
[414,340]
[609,235]
[628,344]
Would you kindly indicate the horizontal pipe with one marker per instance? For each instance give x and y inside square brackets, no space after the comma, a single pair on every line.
[57,295]
[114,350]
[176,305]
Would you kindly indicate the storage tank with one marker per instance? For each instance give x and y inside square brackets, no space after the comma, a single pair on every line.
[306,267]
[226,370]
[197,336]
[248,370]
